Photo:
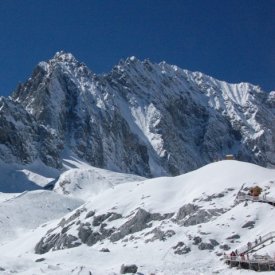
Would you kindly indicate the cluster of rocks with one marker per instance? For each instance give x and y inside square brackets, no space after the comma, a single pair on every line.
[159,234]
[96,229]
[191,214]
[180,248]
[92,228]
[140,221]
[197,240]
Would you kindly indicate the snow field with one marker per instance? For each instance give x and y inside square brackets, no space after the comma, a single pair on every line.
[160,195]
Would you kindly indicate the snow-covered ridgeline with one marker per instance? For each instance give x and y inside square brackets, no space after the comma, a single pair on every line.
[142,118]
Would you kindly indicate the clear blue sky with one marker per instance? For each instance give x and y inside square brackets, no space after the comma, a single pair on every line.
[232,40]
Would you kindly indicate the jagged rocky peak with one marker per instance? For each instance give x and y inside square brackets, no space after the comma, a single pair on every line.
[64,57]
[62,64]
[69,64]
[53,88]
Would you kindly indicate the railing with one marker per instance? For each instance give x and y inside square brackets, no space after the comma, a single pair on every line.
[252,260]
[262,198]
[258,242]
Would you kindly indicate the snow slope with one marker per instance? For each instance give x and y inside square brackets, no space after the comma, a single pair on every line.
[19,178]
[85,183]
[148,220]
[28,210]
[168,194]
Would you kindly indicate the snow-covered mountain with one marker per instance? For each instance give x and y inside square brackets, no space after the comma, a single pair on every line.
[141,118]
[94,140]
[169,225]
[87,182]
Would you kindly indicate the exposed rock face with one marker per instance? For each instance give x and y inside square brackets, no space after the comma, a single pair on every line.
[191,214]
[56,242]
[89,237]
[139,222]
[97,228]
[22,139]
[186,210]
[88,227]
[142,118]
[92,226]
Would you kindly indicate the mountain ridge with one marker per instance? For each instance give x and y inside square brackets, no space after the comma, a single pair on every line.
[142,118]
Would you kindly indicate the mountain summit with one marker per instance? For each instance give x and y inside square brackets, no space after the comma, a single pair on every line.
[142,118]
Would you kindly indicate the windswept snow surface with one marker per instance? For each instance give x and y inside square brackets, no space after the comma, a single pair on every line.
[211,188]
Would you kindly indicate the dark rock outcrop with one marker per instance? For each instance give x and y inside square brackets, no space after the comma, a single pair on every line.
[197,240]
[181,248]
[225,247]
[128,269]
[56,242]
[96,228]
[233,237]
[205,246]
[104,250]
[40,260]
[139,222]
[213,242]
[249,225]
[191,214]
